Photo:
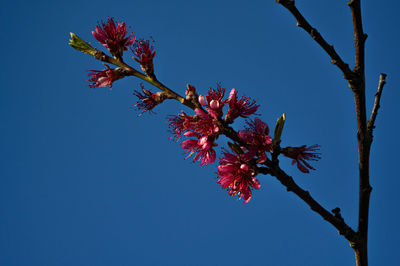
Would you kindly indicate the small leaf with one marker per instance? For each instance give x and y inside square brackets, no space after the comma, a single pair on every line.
[80,45]
[279,128]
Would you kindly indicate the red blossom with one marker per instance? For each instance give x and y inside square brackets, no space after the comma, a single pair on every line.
[205,124]
[214,101]
[200,123]
[104,77]
[144,53]
[302,154]
[202,147]
[178,124]
[113,36]
[243,107]
[148,100]
[257,140]
[236,176]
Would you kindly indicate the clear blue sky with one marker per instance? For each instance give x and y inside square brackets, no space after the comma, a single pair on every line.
[84,181]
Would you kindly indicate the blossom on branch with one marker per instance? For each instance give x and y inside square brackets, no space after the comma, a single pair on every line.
[178,124]
[257,140]
[243,107]
[148,100]
[236,176]
[205,124]
[214,101]
[202,147]
[104,77]
[113,37]
[144,53]
[302,154]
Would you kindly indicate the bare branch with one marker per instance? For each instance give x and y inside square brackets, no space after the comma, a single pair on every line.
[333,218]
[329,49]
[371,122]
[359,35]
[363,138]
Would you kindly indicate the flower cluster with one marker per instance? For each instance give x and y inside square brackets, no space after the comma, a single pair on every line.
[207,124]
[203,128]
[116,38]
[237,170]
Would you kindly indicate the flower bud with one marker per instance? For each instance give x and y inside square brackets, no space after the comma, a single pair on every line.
[279,128]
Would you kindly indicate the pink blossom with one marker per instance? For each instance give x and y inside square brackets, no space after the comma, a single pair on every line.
[257,140]
[148,100]
[143,51]
[302,154]
[213,101]
[104,77]
[176,125]
[113,36]
[201,123]
[205,124]
[243,107]
[236,176]
[202,147]
[144,55]
[180,124]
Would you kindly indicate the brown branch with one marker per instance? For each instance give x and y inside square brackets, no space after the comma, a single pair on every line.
[335,219]
[329,49]
[364,143]
[371,121]
[359,35]
[273,169]
[356,82]
[130,71]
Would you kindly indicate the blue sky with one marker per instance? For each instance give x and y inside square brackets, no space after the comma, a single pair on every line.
[84,181]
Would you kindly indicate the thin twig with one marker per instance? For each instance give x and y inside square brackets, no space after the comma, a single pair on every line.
[371,121]
[329,49]
[130,71]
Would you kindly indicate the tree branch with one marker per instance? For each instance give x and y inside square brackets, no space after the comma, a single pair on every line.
[273,169]
[335,219]
[371,121]
[130,71]
[359,35]
[364,143]
[356,82]
[329,49]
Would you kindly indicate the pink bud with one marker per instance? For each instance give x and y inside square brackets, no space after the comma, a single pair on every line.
[244,167]
[202,101]
[232,95]
[214,104]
